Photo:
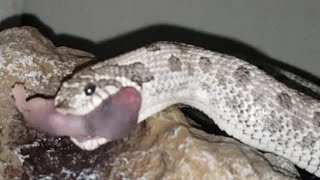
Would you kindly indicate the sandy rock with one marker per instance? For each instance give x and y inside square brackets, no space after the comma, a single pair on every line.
[28,57]
[173,150]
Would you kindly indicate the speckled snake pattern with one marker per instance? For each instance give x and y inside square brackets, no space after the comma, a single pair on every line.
[243,100]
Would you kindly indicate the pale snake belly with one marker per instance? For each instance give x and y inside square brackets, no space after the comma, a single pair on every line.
[241,99]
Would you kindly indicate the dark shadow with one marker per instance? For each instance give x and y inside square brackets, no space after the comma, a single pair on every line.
[10,22]
[164,32]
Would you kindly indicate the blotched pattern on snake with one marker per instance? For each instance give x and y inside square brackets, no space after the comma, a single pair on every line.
[105,101]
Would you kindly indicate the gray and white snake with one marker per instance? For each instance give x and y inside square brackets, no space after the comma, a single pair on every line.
[105,101]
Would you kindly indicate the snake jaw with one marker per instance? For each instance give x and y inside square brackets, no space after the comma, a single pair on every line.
[89,144]
[86,143]
[82,108]
[113,119]
[72,100]
[75,112]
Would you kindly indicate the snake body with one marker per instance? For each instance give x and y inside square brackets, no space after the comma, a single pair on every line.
[243,100]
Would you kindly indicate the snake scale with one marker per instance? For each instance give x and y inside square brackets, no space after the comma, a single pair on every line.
[103,102]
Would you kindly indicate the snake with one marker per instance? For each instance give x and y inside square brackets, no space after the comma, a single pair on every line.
[105,101]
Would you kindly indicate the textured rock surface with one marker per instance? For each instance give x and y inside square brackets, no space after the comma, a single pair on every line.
[173,150]
[28,57]
[163,147]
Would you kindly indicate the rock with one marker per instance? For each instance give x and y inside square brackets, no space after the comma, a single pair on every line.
[165,146]
[173,150]
[28,57]
[281,164]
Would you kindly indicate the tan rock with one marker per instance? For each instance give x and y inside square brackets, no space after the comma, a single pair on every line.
[171,149]
[28,57]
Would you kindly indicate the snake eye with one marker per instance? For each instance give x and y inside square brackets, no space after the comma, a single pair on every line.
[89,89]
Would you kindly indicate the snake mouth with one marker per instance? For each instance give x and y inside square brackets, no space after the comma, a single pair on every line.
[84,142]
[112,119]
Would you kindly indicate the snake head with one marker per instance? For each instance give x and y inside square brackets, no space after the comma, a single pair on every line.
[106,98]
[97,105]
[110,110]
[79,96]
